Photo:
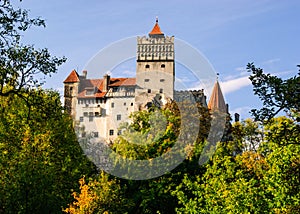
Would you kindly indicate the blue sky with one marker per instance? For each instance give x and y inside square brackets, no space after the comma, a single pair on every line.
[229,33]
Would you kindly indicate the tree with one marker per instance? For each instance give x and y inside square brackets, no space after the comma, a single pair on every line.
[263,181]
[247,135]
[21,64]
[100,195]
[40,159]
[275,93]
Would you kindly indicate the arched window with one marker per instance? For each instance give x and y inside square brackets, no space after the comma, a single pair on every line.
[162,65]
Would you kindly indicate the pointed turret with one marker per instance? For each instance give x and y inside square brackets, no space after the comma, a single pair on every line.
[71,85]
[73,77]
[217,101]
[156,32]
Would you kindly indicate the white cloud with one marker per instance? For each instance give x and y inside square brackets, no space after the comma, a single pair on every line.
[234,84]
[271,61]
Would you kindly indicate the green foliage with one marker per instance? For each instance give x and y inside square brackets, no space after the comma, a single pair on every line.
[247,135]
[40,158]
[247,183]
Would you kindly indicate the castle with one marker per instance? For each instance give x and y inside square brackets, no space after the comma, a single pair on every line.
[99,106]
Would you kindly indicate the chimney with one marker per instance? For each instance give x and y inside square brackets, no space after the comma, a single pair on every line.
[106,81]
[84,73]
[227,108]
[236,117]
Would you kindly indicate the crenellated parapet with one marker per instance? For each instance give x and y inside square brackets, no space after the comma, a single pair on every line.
[152,48]
[194,95]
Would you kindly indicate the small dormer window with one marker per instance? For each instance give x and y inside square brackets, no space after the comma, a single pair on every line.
[89,91]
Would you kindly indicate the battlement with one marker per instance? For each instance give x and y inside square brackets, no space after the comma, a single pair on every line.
[155,48]
[197,95]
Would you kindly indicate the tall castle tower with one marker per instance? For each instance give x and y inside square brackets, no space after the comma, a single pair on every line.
[155,68]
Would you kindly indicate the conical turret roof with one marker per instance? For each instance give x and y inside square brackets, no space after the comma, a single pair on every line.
[156,29]
[217,101]
[73,77]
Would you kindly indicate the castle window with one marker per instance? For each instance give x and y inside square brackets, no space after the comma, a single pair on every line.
[89,92]
[149,90]
[161,90]
[91,113]
[118,117]
[81,119]
[85,114]
[147,66]
[131,104]
[91,118]
[124,104]
[146,80]
[112,105]
[162,65]
[96,134]
[111,132]
[97,114]
[162,80]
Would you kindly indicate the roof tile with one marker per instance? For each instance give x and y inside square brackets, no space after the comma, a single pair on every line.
[73,77]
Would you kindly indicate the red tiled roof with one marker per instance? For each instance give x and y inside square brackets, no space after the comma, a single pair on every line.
[98,85]
[122,82]
[73,77]
[156,29]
